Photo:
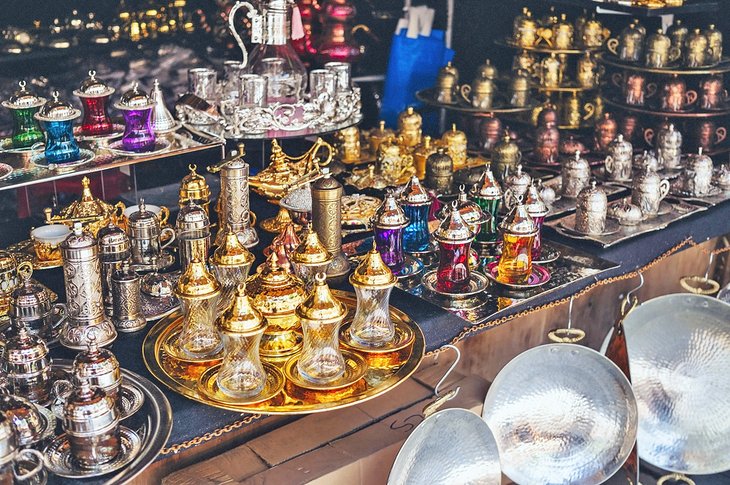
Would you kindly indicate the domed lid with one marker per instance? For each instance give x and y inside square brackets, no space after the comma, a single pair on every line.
[506,145]
[577,162]
[487,70]
[24,347]
[88,206]
[27,420]
[627,213]
[450,71]
[321,305]
[231,252]
[439,157]
[78,239]
[142,215]
[409,118]
[241,317]
[194,185]
[488,187]
[23,98]
[8,440]
[670,133]
[197,281]
[372,272]
[95,362]
[454,136]
[592,197]
[93,88]
[57,110]
[517,178]
[469,210]
[274,290]
[536,207]
[390,215]
[453,229]
[327,181]
[414,194]
[700,161]
[88,409]
[134,99]
[311,252]
[29,295]
[191,217]
[619,143]
[518,221]
[112,239]
[299,199]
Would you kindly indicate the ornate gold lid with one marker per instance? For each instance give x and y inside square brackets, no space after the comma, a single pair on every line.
[231,252]
[409,119]
[197,281]
[88,206]
[241,317]
[311,252]
[194,186]
[454,136]
[321,305]
[372,272]
[274,290]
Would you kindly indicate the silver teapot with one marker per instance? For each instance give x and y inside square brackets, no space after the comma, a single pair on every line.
[648,190]
[619,159]
[696,177]
[669,147]
[576,173]
[591,209]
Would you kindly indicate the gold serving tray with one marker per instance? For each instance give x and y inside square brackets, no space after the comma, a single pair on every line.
[182,377]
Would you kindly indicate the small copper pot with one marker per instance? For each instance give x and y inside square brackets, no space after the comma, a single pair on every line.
[630,128]
[675,96]
[713,93]
[707,134]
[605,132]
[636,89]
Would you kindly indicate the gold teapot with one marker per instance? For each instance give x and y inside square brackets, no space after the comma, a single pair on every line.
[714,41]
[91,212]
[659,51]
[194,187]
[393,161]
[697,49]
[378,136]
[630,43]
[287,171]
[409,127]
[678,33]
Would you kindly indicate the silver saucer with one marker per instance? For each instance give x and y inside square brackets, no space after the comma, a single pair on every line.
[548,254]
[132,399]
[477,284]
[154,308]
[568,225]
[411,267]
[85,156]
[164,261]
[160,146]
[49,428]
[60,461]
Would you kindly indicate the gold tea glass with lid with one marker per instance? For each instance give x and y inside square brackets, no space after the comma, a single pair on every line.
[231,262]
[198,292]
[310,257]
[10,272]
[194,187]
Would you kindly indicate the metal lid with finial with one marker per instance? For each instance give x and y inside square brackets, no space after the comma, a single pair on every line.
[390,215]
[88,411]
[231,252]
[93,88]
[518,221]
[469,210]
[274,290]
[142,216]
[592,199]
[97,364]
[454,136]
[114,243]
[57,110]
[488,187]
[30,301]
[536,207]
[241,318]
[197,282]
[192,220]
[134,99]
[372,272]
[321,305]
[31,426]
[23,98]
[194,185]
[24,348]
[311,252]
[79,239]
[414,194]
[454,229]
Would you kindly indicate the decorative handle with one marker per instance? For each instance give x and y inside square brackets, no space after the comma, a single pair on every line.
[674,53]
[590,110]
[59,309]
[612,46]
[617,79]
[608,164]
[690,96]
[252,218]
[566,335]
[31,455]
[675,477]
[25,270]
[465,91]
[664,187]
[232,27]
[720,134]
[62,389]
[118,214]
[171,231]
[651,90]
[649,136]
[164,215]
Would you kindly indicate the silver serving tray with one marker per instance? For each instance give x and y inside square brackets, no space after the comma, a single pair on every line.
[153,422]
[680,210]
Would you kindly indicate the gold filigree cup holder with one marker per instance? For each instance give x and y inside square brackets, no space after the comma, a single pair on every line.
[185,377]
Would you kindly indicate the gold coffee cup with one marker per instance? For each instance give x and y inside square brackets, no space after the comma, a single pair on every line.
[47,239]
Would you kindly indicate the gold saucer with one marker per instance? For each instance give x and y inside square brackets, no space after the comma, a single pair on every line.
[24,251]
[402,339]
[355,368]
[172,349]
[208,385]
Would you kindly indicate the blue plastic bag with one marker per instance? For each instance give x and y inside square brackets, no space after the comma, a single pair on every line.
[413,65]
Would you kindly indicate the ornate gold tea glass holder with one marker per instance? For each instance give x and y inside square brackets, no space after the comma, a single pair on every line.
[370,372]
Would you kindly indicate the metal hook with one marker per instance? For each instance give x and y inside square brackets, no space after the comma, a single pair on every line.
[629,304]
[440,400]
[569,334]
[570,312]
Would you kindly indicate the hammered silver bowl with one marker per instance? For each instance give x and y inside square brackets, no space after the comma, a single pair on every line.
[452,446]
[679,355]
[561,413]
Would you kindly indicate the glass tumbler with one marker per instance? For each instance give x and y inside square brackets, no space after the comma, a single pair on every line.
[138,133]
[96,120]
[61,146]
[26,131]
